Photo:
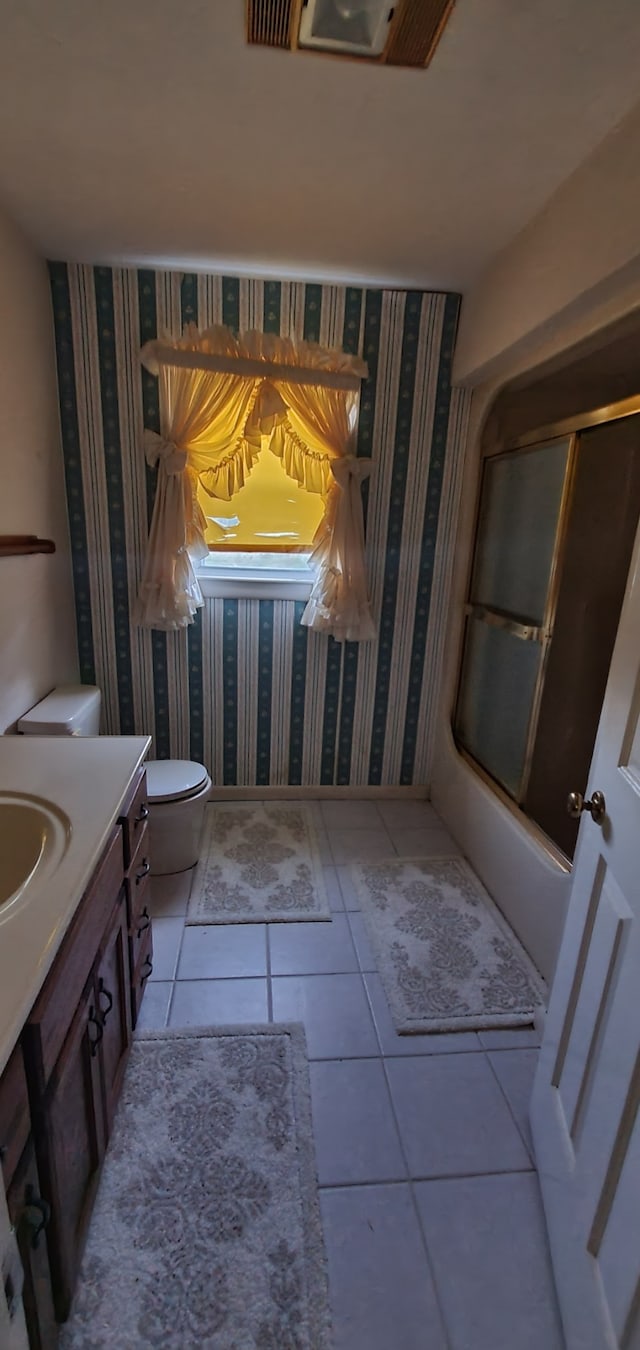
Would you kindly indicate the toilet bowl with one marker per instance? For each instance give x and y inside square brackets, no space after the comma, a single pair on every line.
[177,789]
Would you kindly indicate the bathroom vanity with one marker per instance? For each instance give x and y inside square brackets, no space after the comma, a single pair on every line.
[75,954]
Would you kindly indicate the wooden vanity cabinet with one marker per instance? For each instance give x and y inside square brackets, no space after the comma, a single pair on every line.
[29,1214]
[77,1039]
[75,1045]
[137,885]
[113,1000]
[70,1136]
[29,1209]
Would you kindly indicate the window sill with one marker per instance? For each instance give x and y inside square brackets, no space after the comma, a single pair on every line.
[255,583]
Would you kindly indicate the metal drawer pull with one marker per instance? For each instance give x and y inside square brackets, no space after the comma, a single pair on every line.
[144,974]
[142,928]
[144,871]
[105,992]
[144,812]
[96,1022]
[33,1201]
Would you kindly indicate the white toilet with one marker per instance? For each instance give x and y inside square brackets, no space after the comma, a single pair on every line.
[178,789]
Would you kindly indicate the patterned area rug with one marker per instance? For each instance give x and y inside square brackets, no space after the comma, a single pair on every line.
[259,863]
[206,1231]
[447,958]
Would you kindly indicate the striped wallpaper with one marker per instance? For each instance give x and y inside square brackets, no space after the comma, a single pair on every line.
[246,690]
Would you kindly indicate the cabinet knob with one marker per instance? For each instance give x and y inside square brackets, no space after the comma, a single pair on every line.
[144,871]
[143,813]
[147,967]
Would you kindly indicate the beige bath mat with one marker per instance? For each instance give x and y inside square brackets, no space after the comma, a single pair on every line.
[259,863]
[447,958]
[206,1230]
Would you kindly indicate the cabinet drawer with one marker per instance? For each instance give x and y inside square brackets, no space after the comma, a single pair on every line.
[141,973]
[14,1114]
[48,1024]
[139,928]
[134,815]
[138,876]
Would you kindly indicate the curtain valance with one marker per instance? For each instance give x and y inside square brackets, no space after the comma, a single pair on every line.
[222,398]
[256,355]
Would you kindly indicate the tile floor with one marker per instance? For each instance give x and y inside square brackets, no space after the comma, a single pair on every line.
[433,1223]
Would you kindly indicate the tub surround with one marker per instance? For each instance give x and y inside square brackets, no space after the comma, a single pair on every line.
[87,778]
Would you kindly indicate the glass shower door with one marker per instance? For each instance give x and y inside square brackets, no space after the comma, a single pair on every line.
[510,609]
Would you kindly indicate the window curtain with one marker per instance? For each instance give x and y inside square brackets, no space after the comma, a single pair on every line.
[315,441]
[202,420]
[222,398]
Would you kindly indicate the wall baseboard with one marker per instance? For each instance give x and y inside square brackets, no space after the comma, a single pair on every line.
[314,793]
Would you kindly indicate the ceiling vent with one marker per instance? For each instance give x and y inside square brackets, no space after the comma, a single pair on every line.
[402,34]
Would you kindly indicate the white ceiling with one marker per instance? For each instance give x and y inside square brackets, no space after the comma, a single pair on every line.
[149,130]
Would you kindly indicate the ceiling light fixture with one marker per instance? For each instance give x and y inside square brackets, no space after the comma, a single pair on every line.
[389,32]
[357,27]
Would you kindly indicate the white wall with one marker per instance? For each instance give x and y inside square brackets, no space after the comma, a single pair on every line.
[37,625]
[573,270]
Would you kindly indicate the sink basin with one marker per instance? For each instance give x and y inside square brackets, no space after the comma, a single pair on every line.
[34,835]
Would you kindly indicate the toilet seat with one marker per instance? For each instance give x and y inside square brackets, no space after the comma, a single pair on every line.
[174,780]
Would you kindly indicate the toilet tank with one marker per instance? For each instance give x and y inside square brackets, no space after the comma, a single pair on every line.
[71,710]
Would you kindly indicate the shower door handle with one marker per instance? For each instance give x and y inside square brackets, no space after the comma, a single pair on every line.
[597,807]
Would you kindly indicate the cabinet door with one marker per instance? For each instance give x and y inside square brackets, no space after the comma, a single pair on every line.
[73,1144]
[114,1004]
[29,1214]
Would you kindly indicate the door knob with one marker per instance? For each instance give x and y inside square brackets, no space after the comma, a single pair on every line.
[596,807]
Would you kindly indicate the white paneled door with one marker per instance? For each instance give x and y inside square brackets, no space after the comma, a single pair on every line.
[584,1112]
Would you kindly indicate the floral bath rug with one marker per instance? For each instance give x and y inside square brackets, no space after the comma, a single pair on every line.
[206,1231]
[447,958]
[259,863]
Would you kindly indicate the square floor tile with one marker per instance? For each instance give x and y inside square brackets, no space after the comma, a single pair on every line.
[379,1283]
[349,892]
[198,1003]
[424,843]
[489,1254]
[223,951]
[452,1116]
[355,1134]
[334,1010]
[333,889]
[391,1043]
[325,853]
[350,815]
[360,845]
[169,895]
[167,936]
[155,1005]
[409,815]
[361,942]
[513,1038]
[312,948]
[515,1071]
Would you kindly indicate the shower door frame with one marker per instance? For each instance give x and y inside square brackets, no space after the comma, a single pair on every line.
[533,440]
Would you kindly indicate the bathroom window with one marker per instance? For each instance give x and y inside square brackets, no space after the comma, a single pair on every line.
[260,541]
[271,513]
[554,536]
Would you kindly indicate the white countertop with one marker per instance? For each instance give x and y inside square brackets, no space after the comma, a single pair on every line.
[86,777]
